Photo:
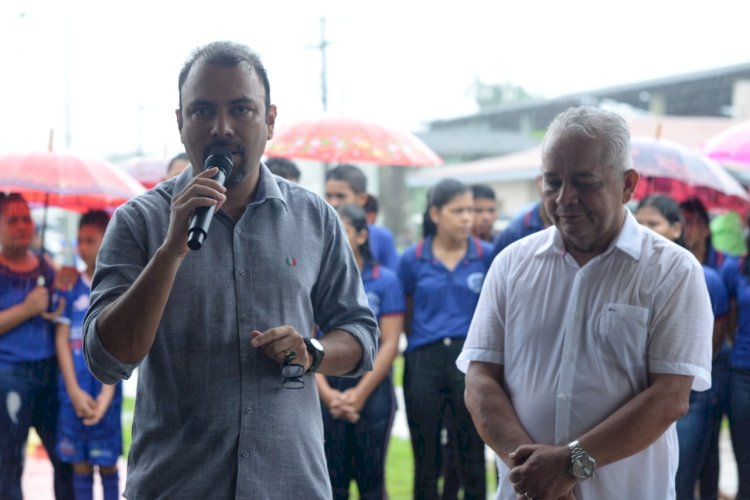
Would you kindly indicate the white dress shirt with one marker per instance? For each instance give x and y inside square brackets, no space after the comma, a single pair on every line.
[577,343]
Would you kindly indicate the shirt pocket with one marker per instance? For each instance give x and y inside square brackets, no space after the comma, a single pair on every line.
[622,333]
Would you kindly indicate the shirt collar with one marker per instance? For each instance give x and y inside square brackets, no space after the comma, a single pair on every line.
[370,272]
[474,250]
[627,241]
[267,186]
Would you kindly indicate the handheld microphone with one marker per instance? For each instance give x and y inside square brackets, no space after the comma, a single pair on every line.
[201,219]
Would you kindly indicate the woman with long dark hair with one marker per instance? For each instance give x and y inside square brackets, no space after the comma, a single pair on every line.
[442,276]
[358,412]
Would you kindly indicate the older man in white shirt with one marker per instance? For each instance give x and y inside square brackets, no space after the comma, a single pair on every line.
[588,336]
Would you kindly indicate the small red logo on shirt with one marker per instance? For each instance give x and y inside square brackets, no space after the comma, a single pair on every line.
[291,261]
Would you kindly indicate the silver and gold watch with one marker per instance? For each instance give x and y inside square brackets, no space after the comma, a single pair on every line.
[582,465]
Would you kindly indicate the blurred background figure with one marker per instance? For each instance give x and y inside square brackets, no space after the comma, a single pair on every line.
[442,276]
[358,412]
[694,430]
[371,209]
[89,429]
[698,239]
[485,212]
[28,368]
[176,165]
[736,274]
[527,222]
[347,184]
[284,168]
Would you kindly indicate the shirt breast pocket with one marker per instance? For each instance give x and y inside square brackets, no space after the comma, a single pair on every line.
[622,334]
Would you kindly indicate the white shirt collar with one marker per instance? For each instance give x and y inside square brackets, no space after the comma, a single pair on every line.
[628,240]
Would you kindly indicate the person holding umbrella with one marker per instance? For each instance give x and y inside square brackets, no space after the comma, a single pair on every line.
[28,369]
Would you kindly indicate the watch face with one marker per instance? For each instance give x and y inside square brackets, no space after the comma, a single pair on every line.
[317,345]
[583,468]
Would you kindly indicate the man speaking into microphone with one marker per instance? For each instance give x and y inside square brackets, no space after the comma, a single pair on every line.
[227,405]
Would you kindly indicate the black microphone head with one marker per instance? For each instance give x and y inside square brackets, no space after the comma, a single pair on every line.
[220,157]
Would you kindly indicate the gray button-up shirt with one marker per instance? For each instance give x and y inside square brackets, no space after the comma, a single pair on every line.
[212,419]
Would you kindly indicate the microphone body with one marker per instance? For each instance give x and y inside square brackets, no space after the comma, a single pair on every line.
[201,219]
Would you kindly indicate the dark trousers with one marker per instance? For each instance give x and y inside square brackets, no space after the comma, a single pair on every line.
[739,424]
[357,450]
[28,393]
[432,386]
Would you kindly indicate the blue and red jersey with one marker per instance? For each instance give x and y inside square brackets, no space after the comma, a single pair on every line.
[443,300]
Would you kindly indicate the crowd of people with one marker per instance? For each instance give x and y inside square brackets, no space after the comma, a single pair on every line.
[594,347]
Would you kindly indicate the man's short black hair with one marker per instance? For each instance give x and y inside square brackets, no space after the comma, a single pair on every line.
[227,54]
[284,168]
[483,191]
[349,174]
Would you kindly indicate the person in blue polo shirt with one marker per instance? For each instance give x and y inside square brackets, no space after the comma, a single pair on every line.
[736,274]
[89,433]
[663,215]
[698,237]
[358,412]
[528,221]
[347,184]
[442,276]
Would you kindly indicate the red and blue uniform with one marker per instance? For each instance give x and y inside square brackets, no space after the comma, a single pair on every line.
[443,300]
[737,277]
[382,247]
[357,450]
[442,306]
[525,223]
[98,444]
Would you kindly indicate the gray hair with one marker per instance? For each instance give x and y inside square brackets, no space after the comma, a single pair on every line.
[608,128]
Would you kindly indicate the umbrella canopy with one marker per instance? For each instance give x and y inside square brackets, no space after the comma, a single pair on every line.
[731,146]
[668,168]
[149,171]
[340,140]
[66,181]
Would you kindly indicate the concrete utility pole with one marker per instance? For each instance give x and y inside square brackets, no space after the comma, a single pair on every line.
[323,75]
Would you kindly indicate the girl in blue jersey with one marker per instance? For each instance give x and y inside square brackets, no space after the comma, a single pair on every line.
[736,273]
[663,215]
[358,412]
[89,432]
[442,276]
[28,371]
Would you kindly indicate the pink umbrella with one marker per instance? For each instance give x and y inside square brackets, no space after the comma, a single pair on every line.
[149,171]
[334,139]
[732,146]
[669,168]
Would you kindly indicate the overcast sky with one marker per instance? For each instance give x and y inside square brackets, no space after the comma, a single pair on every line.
[404,63]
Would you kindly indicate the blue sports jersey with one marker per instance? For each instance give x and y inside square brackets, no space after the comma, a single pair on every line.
[717,292]
[383,290]
[714,258]
[525,223]
[382,247]
[738,285]
[32,340]
[99,444]
[443,301]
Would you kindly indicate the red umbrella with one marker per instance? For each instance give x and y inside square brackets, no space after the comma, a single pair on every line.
[340,140]
[732,146]
[669,168]
[67,181]
[149,171]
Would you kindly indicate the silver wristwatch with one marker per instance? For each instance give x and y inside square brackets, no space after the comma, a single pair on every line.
[582,465]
